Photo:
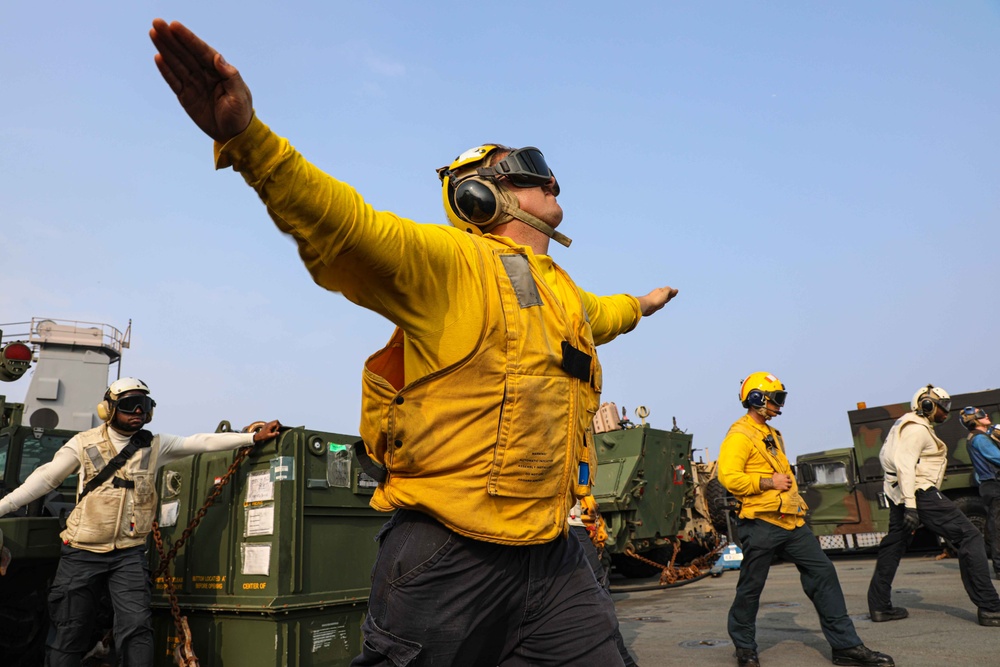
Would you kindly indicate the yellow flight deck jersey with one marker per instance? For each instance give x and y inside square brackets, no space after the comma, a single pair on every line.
[470,407]
[743,459]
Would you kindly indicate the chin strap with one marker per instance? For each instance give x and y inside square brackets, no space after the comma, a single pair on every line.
[508,204]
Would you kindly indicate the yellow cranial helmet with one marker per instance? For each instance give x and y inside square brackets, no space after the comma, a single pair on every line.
[477,197]
[476,211]
[759,388]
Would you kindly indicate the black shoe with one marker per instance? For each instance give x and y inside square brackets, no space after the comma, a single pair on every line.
[861,656]
[989,618]
[747,657]
[894,614]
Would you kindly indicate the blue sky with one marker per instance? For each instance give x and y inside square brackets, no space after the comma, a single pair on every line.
[818,179]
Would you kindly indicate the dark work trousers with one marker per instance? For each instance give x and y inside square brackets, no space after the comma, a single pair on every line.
[81,579]
[990,491]
[762,541]
[603,580]
[445,600]
[942,517]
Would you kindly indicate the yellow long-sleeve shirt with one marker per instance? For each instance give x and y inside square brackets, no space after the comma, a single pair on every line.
[420,277]
[744,459]
[479,424]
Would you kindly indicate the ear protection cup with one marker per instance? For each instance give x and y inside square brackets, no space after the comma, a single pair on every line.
[105,410]
[926,406]
[149,415]
[477,201]
[755,399]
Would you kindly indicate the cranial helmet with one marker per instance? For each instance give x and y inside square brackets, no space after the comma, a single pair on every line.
[759,388]
[106,408]
[971,417]
[477,197]
[926,398]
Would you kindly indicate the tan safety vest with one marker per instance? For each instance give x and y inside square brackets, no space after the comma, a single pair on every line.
[929,459]
[111,517]
[492,445]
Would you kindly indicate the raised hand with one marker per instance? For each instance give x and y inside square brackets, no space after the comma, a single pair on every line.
[658,298]
[211,90]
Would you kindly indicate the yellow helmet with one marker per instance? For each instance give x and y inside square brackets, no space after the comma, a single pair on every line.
[761,387]
[476,202]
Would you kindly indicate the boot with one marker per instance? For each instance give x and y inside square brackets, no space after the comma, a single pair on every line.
[747,657]
[861,656]
[989,618]
[892,614]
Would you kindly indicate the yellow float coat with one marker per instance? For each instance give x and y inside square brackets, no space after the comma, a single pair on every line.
[468,406]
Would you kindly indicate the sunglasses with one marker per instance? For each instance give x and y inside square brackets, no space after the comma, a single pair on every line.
[977,412]
[137,403]
[523,168]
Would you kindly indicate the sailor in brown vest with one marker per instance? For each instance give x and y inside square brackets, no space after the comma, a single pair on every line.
[104,543]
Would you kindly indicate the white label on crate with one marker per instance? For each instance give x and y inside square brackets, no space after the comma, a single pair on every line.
[259,486]
[259,521]
[256,558]
[328,635]
[169,512]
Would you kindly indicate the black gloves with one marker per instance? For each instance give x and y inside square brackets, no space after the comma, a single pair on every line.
[911,520]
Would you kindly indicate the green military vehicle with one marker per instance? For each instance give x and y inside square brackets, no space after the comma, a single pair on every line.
[843,487]
[648,491]
[70,374]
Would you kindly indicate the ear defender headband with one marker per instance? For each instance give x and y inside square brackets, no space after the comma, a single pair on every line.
[477,203]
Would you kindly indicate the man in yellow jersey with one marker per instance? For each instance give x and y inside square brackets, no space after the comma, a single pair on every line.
[474,414]
[755,469]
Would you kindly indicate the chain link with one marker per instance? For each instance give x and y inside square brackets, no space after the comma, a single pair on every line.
[671,573]
[184,653]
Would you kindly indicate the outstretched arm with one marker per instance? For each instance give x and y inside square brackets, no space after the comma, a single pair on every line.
[656,299]
[211,90]
[45,478]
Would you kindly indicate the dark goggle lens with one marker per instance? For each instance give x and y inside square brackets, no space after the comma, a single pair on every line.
[978,413]
[526,168]
[945,405]
[132,404]
[778,398]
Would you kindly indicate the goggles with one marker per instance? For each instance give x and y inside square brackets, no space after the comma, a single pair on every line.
[135,403]
[776,397]
[523,168]
[975,413]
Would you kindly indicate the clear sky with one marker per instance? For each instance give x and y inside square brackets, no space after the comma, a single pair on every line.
[820,181]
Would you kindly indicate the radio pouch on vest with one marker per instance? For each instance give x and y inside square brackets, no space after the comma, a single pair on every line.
[370,468]
[139,440]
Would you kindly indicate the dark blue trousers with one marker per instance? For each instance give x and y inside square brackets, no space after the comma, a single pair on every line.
[603,580]
[990,491]
[81,579]
[942,517]
[762,541]
[441,599]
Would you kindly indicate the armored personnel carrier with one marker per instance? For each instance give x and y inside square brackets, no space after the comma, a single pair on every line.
[650,493]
